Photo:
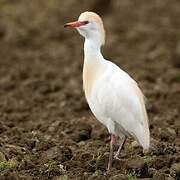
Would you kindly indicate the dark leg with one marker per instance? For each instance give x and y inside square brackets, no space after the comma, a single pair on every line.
[111,151]
[120,147]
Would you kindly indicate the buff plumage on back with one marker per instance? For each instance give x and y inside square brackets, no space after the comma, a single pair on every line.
[146,140]
[91,15]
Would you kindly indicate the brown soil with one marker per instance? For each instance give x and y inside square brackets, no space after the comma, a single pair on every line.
[46,128]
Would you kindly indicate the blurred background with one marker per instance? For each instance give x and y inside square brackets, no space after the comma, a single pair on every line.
[46,128]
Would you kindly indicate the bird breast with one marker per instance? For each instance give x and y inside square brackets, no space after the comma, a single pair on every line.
[90,75]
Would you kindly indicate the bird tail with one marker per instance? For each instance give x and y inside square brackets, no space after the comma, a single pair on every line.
[146,144]
[146,139]
[143,137]
[143,134]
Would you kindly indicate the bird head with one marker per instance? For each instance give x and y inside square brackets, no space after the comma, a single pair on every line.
[90,26]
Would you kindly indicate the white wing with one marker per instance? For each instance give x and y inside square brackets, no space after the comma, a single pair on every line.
[120,99]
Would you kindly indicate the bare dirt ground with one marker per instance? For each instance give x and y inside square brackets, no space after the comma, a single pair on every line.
[46,128]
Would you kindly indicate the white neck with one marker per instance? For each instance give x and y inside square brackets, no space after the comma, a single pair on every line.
[92,50]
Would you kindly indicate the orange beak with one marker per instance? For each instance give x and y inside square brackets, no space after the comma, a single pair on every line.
[76,24]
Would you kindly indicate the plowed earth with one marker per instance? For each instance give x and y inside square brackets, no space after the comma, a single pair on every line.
[46,128]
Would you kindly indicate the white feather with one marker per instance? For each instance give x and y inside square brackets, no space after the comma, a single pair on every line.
[113,96]
[115,103]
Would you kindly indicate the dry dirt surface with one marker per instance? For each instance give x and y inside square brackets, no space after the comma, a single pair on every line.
[46,128]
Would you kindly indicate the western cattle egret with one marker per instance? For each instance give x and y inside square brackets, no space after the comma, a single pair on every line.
[113,96]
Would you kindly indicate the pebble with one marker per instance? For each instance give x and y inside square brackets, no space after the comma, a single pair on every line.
[171,131]
[2,157]
[135,163]
[135,144]
[52,153]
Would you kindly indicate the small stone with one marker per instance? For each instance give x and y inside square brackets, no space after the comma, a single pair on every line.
[51,129]
[2,157]
[177,142]
[51,106]
[135,144]
[171,131]
[81,143]
[52,153]
[135,163]
[62,104]
[47,137]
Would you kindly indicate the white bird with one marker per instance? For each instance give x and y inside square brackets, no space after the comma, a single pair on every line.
[113,96]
